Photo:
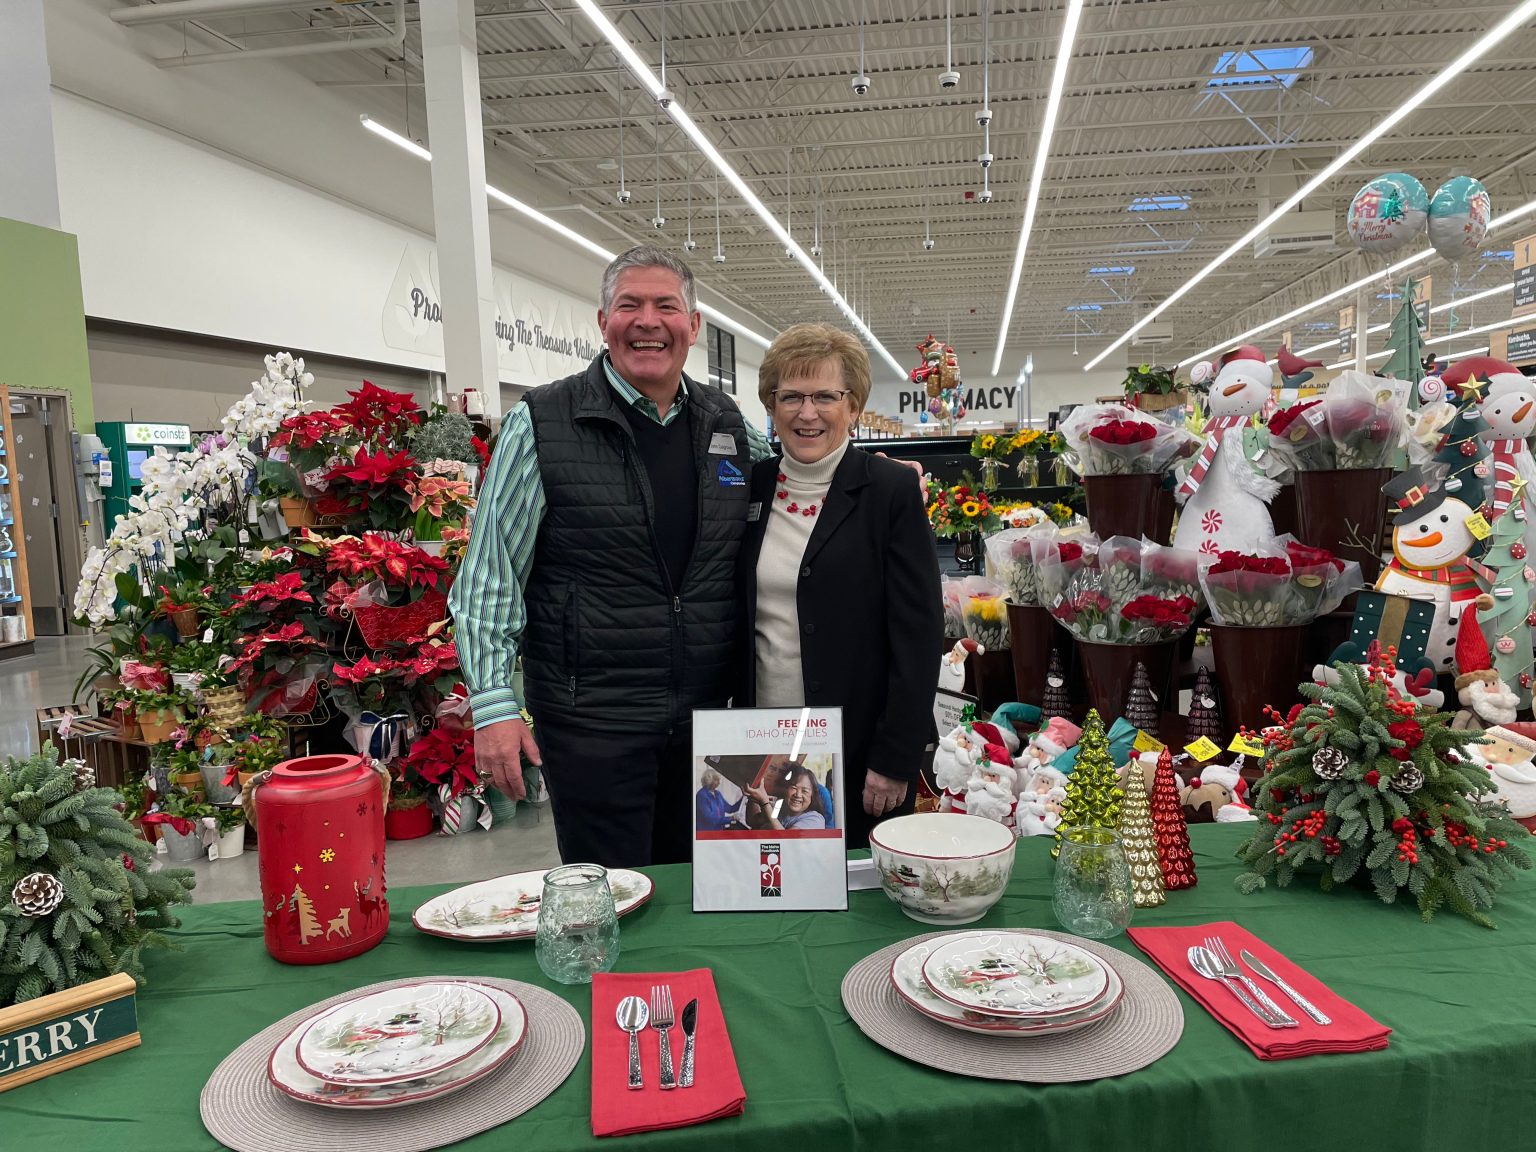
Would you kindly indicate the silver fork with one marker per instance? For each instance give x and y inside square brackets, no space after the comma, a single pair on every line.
[1231,971]
[661,1020]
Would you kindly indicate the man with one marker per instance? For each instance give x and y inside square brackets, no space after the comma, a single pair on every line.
[605,546]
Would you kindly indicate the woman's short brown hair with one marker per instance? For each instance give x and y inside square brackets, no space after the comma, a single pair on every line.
[802,348]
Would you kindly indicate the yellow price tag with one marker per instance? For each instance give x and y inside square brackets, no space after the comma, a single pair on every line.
[1203,749]
[1246,747]
[1145,743]
[1478,526]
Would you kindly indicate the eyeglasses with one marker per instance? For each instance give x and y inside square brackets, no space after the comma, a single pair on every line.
[792,401]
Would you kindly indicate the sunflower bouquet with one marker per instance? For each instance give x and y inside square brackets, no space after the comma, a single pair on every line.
[990,446]
[960,509]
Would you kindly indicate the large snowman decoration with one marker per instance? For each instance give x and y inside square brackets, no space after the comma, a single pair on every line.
[1509,409]
[1226,502]
[1430,542]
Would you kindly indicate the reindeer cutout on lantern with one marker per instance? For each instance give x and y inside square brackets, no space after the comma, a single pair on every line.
[341,922]
[369,906]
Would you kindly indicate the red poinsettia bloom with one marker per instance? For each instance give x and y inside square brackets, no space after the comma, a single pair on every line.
[290,637]
[1240,562]
[310,429]
[365,668]
[482,450]
[432,660]
[445,757]
[1123,431]
[379,469]
[266,596]
[381,558]
[1305,556]
[373,409]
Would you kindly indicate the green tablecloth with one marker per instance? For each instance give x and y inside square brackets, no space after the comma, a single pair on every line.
[1459,1069]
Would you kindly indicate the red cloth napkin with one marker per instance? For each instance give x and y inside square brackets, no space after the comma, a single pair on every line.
[1351,1031]
[618,1110]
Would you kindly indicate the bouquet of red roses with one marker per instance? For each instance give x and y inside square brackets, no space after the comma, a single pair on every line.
[1106,593]
[1289,584]
[1298,437]
[1358,423]
[1116,440]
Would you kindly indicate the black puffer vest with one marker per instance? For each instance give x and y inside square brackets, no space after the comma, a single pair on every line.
[608,642]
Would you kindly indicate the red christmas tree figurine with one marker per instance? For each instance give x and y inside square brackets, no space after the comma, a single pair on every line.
[1173,850]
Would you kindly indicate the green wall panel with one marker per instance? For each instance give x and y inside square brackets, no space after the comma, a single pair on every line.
[42,316]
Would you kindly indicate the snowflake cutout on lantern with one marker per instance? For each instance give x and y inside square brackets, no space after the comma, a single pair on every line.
[327,856]
[362,809]
[297,868]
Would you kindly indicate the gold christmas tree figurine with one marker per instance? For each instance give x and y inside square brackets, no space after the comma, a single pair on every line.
[1140,842]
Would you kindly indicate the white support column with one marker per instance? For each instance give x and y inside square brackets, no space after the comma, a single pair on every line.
[29,183]
[1362,322]
[458,197]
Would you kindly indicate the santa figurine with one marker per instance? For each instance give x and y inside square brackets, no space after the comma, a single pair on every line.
[1509,410]
[1430,542]
[1226,501]
[952,665]
[1040,802]
[1486,701]
[1507,755]
[953,762]
[989,792]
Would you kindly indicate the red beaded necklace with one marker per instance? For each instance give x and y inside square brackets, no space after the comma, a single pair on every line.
[782,494]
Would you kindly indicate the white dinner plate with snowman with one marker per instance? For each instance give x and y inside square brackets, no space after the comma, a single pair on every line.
[507,908]
[907,980]
[1015,974]
[290,1078]
[400,1033]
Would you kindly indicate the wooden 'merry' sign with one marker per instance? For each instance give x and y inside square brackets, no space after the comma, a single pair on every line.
[67,1029]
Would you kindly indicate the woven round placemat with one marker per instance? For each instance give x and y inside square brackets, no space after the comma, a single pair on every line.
[1145,1026]
[243,1111]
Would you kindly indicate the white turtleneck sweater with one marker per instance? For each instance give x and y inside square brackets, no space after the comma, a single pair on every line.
[780,683]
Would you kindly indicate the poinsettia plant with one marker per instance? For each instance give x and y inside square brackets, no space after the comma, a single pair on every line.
[371,684]
[444,758]
[438,502]
[405,572]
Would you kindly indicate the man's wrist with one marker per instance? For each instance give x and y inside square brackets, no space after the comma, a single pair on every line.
[493,706]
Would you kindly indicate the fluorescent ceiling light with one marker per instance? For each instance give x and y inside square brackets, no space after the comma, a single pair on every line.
[1037,176]
[1512,322]
[674,109]
[1446,307]
[1517,18]
[715,315]
[1465,352]
[1350,363]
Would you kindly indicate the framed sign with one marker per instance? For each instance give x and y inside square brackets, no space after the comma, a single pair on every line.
[66,1029]
[1423,291]
[1346,331]
[1524,302]
[768,815]
[1520,346]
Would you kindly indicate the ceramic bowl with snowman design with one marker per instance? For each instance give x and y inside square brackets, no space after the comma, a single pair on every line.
[943,867]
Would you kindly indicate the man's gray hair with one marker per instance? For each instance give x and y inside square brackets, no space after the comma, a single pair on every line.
[647,256]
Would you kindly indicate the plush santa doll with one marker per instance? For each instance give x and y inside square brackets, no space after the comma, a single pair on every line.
[1430,542]
[1486,701]
[992,733]
[953,762]
[1509,410]
[952,664]
[1040,802]
[1226,502]
[1048,744]
[1508,757]
[989,792]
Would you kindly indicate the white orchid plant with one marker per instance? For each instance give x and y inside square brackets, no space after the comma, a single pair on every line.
[185,494]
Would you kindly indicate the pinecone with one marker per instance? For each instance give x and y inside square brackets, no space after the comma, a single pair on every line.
[37,894]
[1329,763]
[1407,779]
[85,775]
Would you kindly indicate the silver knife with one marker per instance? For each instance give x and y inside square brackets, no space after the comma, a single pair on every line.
[690,1020]
[1302,1002]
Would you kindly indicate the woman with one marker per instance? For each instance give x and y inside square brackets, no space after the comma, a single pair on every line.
[801,808]
[712,812]
[840,576]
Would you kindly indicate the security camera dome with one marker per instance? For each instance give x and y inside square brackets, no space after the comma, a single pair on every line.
[949,80]
[861,84]
[624,196]
[664,98]
[983,116]
[985,195]
[927,245]
[985,159]
[690,244]
[658,222]
[719,257]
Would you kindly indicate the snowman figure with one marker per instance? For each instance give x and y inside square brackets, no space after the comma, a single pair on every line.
[1226,502]
[1509,410]
[1430,542]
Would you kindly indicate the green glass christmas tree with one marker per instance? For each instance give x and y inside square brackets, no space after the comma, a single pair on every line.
[78,898]
[1093,790]
[1361,782]
[1406,340]
[1507,624]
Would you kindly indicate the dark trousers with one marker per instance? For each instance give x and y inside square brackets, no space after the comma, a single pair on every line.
[621,800]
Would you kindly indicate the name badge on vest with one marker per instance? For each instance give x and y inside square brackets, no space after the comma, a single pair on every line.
[730,476]
[722,444]
[754,511]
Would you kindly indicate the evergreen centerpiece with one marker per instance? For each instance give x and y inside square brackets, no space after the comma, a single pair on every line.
[1360,781]
[78,898]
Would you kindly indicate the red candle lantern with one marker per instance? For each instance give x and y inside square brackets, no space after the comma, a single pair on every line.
[320,825]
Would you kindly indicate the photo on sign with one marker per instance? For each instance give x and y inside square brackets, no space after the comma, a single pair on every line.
[746,796]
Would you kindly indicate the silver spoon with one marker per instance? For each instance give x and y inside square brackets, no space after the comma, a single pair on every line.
[1205,964]
[633,1015]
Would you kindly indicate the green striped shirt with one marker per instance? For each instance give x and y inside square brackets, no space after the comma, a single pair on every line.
[487,599]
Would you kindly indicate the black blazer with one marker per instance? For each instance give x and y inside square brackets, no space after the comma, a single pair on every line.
[871,617]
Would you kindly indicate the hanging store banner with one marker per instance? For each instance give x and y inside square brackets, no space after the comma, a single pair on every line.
[1525,277]
[540,334]
[1346,332]
[1422,292]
